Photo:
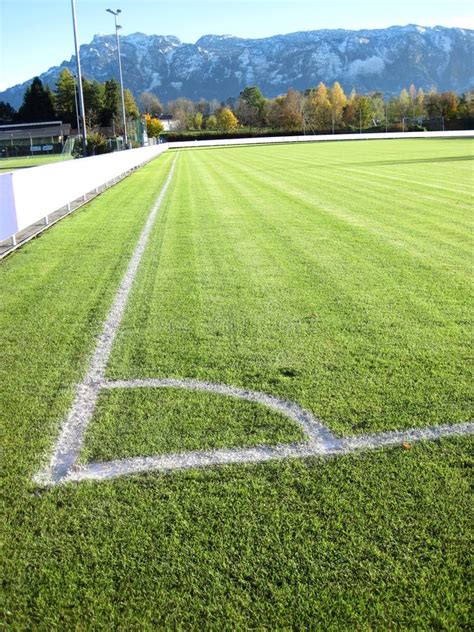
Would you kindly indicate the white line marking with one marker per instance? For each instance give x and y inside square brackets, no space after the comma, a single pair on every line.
[169,462]
[69,444]
[63,465]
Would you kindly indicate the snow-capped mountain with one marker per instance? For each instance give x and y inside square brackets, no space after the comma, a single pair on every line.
[220,66]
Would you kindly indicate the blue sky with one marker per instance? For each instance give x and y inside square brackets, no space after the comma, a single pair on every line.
[37,34]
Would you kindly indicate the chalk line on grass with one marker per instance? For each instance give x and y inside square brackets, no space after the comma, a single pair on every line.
[198,459]
[64,467]
[69,443]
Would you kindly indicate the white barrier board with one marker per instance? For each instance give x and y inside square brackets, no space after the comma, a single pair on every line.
[29,195]
[321,138]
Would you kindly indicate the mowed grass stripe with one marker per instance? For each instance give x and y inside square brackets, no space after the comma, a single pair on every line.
[397,280]
[420,236]
[344,176]
[372,213]
[275,292]
[417,214]
[405,157]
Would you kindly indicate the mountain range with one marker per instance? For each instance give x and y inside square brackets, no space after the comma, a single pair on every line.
[220,66]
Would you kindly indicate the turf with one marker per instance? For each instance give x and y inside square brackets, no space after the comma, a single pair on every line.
[139,422]
[24,162]
[372,541]
[337,276]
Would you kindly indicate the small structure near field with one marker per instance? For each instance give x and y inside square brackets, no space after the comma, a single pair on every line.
[33,139]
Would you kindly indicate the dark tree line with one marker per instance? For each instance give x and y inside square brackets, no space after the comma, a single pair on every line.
[102,103]
[316,109]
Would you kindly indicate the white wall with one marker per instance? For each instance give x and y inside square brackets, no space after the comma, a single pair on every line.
[321,138]
[29,195]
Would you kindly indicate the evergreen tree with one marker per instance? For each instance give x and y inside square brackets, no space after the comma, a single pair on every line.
[111,103]
[38,104]
[7,113]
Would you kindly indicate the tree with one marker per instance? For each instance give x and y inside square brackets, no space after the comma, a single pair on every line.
[251,107]
[151,104]
[226,120]
[412,92]
[154,127]
[420,103]
[349,114]
[433,104]
[285,112]
[404,103]
[131,108]
[211,122]
[364,112]
[449,102]
[292,111]
[183,111]
[358,112]
[96,144]
[111,103]
[338,102]
[275,112]
[7,113]
[214,105]
[38,104]
[93,101]
[318,110]
[377,107]
[198,120]
[466,105]
[65,99]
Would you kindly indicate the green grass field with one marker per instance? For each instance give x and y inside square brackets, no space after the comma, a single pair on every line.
[336,275]
[24,162]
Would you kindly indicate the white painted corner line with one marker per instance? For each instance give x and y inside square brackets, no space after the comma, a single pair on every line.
[64,467]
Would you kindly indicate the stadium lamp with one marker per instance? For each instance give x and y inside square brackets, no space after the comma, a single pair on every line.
[117,27]
[79,81]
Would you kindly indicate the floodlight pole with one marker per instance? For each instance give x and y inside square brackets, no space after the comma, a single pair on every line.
[79,79]
[77,107]
[117,27]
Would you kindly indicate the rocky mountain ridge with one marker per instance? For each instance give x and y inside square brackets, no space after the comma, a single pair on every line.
[220,66]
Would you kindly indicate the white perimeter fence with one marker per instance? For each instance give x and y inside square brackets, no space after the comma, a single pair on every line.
[28,196]
[321,137]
